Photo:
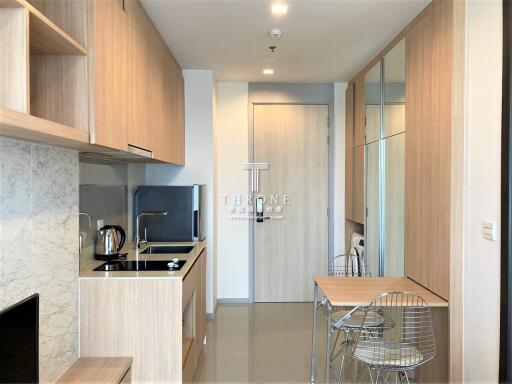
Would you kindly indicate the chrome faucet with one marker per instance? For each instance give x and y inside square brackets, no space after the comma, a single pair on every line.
[138,240]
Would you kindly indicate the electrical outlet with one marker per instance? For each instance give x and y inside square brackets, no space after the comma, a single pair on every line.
[489,230]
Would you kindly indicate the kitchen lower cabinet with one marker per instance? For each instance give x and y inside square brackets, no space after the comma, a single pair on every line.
[194,317]
[157,320]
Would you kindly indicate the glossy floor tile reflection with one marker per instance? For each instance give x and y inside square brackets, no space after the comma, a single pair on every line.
[271,343]
[260,343]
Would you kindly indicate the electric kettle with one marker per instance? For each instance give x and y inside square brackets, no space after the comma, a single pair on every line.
[109,241]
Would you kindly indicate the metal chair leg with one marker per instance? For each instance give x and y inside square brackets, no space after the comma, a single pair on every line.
[406,377]
[333,356]
[370,373]
[341,367]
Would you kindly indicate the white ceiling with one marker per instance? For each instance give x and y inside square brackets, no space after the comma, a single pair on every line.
[323,40]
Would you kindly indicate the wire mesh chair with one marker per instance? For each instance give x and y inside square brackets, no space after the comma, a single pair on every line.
[348,266]
[344,266]
[403,342]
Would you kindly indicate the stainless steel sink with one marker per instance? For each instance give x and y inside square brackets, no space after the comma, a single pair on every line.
[158,249]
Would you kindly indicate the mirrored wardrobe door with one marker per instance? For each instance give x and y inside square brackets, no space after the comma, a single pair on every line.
[393,205]
[394,90]
[373,208]
[372,95]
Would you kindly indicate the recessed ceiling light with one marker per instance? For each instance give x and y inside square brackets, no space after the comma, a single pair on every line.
[279,9]
[268,71]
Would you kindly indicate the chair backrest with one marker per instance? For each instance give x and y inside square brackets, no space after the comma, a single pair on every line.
[396,333]
[348,266]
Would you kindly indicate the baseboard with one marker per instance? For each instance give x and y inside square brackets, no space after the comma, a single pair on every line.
[234,300]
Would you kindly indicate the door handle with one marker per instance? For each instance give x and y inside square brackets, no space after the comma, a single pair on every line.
[260,201]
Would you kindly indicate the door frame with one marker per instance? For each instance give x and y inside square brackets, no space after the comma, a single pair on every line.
[330,167]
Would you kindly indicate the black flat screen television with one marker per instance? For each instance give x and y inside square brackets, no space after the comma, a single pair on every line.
[19,342]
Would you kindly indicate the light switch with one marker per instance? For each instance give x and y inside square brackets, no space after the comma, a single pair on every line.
[99,224]
[489,230]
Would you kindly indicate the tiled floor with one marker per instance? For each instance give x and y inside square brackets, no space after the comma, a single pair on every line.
[261,343]
[271,343]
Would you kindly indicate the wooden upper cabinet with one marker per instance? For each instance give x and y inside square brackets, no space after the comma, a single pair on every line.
[349,152]
[109,73]
[138,87]
[359,111]
[141,45]
[170,146]
[156,116]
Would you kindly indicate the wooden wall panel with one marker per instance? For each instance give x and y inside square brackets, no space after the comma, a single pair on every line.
[428,149]
[359,191]
[349,152]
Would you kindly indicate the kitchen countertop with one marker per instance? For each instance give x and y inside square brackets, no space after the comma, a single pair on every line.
[87,268]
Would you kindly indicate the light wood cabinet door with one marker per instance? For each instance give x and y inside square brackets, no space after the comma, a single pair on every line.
[428,149]
[359,111]
[171,145]
[359,191]
[109,74]
[140,91]
[203,296]
[138,85]
[200,312]
[349,152]
[156,94]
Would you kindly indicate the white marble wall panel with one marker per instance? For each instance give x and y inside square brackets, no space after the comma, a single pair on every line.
[39,244]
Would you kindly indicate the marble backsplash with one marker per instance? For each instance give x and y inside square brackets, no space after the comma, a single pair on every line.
[39,244]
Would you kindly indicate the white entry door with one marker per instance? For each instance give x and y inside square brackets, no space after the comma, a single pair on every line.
[291,241]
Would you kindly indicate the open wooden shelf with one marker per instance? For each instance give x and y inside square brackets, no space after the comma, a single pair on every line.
[26,127]
[46,38]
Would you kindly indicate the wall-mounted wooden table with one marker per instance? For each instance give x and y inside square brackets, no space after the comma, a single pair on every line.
[354,291]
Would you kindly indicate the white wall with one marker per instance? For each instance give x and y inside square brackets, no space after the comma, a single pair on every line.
[482,190]
[231,150]
[198,169]
[339,169]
